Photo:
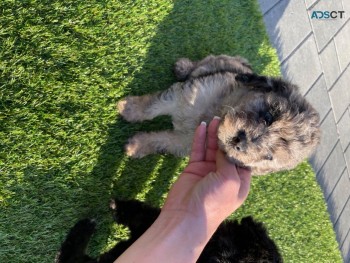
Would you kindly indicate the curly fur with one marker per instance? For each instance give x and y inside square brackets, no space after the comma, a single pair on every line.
[243,242]
[267,125]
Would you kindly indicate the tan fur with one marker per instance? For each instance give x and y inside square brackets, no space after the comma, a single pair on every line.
[266,124]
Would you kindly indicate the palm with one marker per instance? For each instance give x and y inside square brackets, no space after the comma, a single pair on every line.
[208,176]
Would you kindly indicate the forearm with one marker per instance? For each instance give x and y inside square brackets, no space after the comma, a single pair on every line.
[175,239]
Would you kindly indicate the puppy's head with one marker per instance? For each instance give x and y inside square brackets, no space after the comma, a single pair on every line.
[273,128]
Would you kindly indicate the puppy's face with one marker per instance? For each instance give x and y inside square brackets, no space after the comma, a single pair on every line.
[272,127]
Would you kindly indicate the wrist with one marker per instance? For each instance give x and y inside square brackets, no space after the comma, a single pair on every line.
[185,234]
[175,237]
[200,222]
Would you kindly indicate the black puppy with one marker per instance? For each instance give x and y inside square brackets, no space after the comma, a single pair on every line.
[247,241]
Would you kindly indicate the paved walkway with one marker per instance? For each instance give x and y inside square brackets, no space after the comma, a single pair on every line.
[315,54]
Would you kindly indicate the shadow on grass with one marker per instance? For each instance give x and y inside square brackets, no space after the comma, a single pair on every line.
[192,29]
[62,63]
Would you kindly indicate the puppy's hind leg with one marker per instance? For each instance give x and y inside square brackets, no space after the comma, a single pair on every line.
[172,142]
[147,107]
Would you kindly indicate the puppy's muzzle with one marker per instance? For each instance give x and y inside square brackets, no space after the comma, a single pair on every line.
[239,142]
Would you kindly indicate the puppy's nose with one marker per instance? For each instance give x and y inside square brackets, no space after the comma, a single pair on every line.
[239,142]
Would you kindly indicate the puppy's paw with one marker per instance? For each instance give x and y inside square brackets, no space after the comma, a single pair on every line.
[137,146]
[131,108]
[182,68]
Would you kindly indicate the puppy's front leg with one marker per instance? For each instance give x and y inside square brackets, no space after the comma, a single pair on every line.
[172,142]
[147,107]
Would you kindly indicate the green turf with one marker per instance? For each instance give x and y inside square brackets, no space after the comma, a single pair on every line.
[63,67]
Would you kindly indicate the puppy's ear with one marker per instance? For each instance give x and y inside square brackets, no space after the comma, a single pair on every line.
[260,82]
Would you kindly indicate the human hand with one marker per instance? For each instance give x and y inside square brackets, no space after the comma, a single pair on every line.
[211,187]
[209,190]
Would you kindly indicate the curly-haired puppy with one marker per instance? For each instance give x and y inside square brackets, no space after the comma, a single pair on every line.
[266,124]
[243,242]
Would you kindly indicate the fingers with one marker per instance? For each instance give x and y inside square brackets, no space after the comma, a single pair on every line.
[198,145]
[202,148]
[212,140]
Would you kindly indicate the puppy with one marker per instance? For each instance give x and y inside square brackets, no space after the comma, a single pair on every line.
[247,241]
[266,124]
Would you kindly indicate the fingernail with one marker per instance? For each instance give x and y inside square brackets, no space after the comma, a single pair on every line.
[203,123]
[217,118]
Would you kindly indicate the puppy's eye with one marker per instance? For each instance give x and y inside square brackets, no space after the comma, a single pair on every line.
[268,119]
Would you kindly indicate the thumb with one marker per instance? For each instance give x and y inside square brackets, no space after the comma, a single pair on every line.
[227,169]
[246,177]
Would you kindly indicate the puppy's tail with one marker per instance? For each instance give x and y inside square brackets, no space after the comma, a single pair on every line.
[73,248]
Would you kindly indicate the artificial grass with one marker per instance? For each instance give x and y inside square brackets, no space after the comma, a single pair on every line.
[63,67]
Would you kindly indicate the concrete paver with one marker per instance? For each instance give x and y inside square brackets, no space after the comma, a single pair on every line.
[331,171]
[281,30]
[344,130]
[342,44]
[340,95]
[267,5]
[325,29]
[318,97]
[343,224]
[330,63]
[304,67]
[328,141]
[339,197]
[345,248]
